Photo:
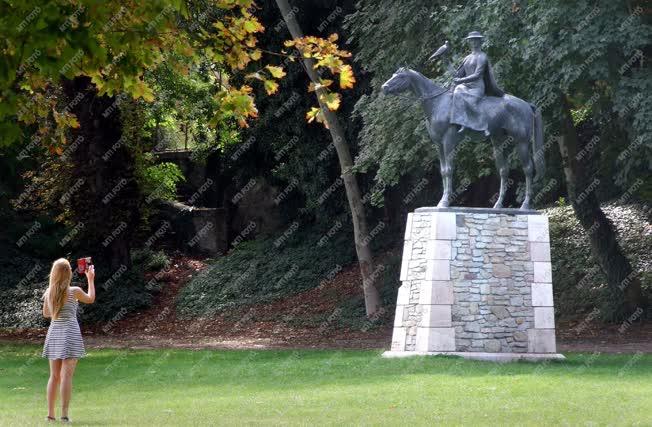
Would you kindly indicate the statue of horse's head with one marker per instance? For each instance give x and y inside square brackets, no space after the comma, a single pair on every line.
[399,82]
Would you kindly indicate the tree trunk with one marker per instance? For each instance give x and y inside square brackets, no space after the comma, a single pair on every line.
[185,131]
[601,232]
[104,204]
[360,229]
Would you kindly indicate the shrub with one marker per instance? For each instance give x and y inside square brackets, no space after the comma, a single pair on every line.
[263,270]
[161,180]
[579,284]
[150,260]
[23,279]
[116,298]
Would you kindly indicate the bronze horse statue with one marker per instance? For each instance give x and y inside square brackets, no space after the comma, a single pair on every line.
[511,121]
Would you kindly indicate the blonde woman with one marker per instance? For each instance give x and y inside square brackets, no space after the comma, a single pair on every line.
[63,343]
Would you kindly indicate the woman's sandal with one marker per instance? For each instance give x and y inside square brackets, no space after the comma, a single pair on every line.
[50,419]
[65,420]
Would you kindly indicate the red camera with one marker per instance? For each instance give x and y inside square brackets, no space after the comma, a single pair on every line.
[82,264]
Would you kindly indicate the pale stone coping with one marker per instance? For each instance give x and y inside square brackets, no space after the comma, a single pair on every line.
[436,292]
[407,256]
[540,251]
[489,357]
[398,316]
[436,316]
[537,229]
[398,339]
[439,249]
[403,296]
[541,340]
[542,271]
[438,269]
[443,226]
[541,294]
[507,211]
[544,317]
[408,226]
[435,339]
[407,250]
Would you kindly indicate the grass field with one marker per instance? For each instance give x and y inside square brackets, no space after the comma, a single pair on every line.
[185,387]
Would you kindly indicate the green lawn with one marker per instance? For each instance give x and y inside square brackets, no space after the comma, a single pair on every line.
[184,387]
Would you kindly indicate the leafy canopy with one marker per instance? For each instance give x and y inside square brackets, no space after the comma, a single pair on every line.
[116,43]
[588,52]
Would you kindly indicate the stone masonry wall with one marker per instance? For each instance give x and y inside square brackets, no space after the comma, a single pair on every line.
[475,280]
[491,273]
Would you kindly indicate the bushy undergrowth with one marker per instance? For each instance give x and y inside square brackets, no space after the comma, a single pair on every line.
[260,271]
[120,293]
[266,269]
[23,279]
[150,260]
[579,284]
[352,314]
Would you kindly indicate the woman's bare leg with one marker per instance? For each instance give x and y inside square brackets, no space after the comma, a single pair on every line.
[67,371]
[53,385]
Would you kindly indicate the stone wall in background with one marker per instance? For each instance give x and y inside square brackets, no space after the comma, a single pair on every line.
[475,280]
[195,230]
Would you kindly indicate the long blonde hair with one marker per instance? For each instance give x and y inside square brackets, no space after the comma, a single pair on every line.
[57,293]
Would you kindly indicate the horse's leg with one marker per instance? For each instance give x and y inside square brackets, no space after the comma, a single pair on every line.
[523,147]
[442,164]
[502,166]
[449,141]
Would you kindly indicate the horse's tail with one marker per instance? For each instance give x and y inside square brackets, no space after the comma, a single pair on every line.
[537,143]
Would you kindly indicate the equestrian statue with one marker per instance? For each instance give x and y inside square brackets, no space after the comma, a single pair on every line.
[476,104]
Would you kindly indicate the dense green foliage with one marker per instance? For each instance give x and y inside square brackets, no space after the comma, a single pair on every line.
[161,180]
[579,284]
[270,268]
[21,291]
[263,270]
[588,53]
[150,260]
[114,44]
[280,145]
[189,387]
[23,279]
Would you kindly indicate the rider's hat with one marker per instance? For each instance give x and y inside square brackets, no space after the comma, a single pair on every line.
[474,35]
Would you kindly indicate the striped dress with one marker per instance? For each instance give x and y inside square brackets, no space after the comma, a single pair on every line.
[64,340]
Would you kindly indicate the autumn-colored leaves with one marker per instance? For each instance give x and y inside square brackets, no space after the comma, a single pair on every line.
[326,56]
[133,38]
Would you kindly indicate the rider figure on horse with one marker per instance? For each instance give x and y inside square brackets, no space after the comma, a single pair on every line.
[473,80]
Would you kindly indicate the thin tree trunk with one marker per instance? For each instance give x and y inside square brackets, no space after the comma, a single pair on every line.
[600,230]
[360,229]
[185,130]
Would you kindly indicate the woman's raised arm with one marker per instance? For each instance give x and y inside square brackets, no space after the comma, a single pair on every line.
[87,298]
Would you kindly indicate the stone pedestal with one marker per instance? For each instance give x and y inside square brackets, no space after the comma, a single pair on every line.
[477,283]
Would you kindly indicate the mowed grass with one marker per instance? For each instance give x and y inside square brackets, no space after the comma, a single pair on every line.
[186,387]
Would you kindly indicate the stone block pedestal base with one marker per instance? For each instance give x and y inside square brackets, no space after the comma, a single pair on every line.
[476,283]
[490,357]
